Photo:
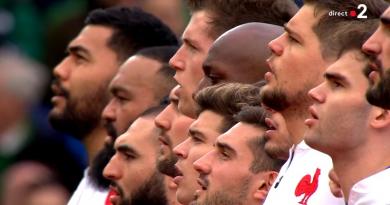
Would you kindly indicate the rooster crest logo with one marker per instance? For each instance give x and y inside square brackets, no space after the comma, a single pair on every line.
[307,186]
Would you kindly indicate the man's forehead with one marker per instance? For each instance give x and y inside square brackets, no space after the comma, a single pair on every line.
[198,29]
[139,130]
[208,117]
[93,34]
[245,130]
[303,20]
[348,69]
[138,71]
[122,139]
[351,61]
[239,135]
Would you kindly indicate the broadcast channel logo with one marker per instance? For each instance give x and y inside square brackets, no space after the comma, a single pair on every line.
[359,13]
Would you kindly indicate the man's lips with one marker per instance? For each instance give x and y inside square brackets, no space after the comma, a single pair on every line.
[114,190]
[373,77]
[58,90]
[269,74]
[268,61]
[374,66]
[163,139]
[114,195]
[270,124]
[202,182]
[313,113]
[178,175]
[178,91]
[314,117]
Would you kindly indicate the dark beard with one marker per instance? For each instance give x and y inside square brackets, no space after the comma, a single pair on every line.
[167,166]
[150,193]
[102,158]
[98,164]
[275,99]
[81,116]
[379,95]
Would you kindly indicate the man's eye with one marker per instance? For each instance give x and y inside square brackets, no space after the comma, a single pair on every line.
[197,140]
[78,58]
[214,79]
[192,47]
[336,84]
[121,99]
[292,39]
[224,155]
[128,156]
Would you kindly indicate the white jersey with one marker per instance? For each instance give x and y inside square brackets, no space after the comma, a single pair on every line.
[87,194]
[303,179]
[371,190]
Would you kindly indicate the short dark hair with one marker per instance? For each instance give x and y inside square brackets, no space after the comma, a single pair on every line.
[338,33]
[133,29]
[159,53]
[255,116]
[165,81]
[227,99]
[229,14]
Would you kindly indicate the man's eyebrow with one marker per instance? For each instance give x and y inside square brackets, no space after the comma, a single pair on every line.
[334,76]
[115,89]
[288,30]
[194,132]
[78,49]
[385,20]
[174,101]
[191,42]
[127,149]
[225,147]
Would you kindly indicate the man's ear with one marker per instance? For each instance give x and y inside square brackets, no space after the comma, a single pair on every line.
[380,118]
[263,184]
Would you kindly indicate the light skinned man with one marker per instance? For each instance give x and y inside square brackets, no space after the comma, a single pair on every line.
[217,105]
[351,131]
[173,127]
[378,46]
[208,21]
[241,147]
[313,40]
[174,130]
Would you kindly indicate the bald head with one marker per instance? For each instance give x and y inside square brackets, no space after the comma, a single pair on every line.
[240,54]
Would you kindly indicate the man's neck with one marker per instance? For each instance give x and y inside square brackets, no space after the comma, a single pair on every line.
[351,166]
[295,122]
[94,142]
